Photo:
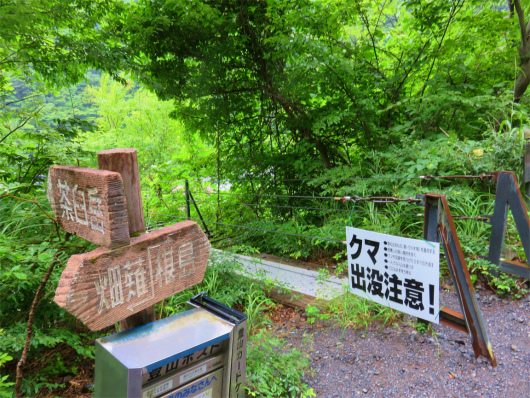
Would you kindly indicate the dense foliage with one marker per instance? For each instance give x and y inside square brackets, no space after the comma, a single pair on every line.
[264,106]
[287,82]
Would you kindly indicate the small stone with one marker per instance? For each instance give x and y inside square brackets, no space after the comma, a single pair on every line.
[453,374]
[376,373]
[430,340]
[365,390]
[514,348]
[520,320]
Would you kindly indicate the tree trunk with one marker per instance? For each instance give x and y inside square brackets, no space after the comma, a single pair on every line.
[523,79]
[321,148]
[323,152]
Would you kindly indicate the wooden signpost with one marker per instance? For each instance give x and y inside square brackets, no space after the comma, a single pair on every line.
[89,203]
[123,279]
[105,286]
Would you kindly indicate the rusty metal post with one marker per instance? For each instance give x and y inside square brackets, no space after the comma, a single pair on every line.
[507,196]
[526,172]
[187,189]
[200,215]
[439,227]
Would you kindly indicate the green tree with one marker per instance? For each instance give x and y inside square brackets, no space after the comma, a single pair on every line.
[129,116]
[285,82]
[57,40]
[47,45]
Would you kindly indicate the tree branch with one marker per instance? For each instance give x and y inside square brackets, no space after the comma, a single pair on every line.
[29,334]
[367,24]
[511,8]
[522,24]
[35,203]
[523,80]
[20,126]
[20,100]
[452,14]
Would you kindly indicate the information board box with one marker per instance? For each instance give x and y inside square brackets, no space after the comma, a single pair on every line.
[208,386]
[198,353]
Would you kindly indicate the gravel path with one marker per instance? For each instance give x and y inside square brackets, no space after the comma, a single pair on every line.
[399,362]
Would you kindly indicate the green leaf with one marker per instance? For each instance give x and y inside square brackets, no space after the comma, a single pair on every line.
[20,275]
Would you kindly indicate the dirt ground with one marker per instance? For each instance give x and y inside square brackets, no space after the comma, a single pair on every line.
[397,361]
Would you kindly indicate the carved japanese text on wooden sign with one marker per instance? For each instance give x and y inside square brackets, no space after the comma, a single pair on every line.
[90,203]
[104,286]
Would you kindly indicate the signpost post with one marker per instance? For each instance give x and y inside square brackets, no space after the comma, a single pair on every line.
[131,271]
[125,162]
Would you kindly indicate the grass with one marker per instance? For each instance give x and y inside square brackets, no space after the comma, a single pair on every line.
[350,310]
[282,377]
[224,281]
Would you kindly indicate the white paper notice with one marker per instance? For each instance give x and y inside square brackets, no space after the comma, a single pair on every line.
[400,273]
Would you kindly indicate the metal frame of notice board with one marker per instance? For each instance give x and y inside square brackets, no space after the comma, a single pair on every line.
[200,353]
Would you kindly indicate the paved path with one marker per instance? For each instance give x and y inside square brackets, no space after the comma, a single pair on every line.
[298,279]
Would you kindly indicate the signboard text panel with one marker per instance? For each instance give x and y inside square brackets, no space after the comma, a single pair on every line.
[400,273]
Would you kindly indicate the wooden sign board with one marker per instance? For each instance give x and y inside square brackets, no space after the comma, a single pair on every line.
[105,286]
[90,203]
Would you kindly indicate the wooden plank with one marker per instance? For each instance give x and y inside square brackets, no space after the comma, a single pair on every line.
[89,203]
[105,286]
[125,162]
